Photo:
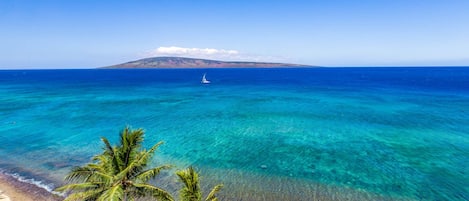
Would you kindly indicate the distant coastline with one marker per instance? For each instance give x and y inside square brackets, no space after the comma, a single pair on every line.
[183,62]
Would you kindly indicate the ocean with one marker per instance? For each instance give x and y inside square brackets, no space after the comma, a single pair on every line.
[266,134]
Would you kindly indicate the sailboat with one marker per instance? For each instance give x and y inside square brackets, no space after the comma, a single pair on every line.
[204,80]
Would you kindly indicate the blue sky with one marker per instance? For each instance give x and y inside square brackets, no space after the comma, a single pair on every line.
[90,33]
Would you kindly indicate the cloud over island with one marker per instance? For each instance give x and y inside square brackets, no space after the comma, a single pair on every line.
[210,53]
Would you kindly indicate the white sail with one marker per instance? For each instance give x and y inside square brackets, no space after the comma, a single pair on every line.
[204,80]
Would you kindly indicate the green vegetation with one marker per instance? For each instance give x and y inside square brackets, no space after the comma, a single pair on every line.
[121,173]
[191,190]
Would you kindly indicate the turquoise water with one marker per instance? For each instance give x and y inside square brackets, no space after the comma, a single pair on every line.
[298,134]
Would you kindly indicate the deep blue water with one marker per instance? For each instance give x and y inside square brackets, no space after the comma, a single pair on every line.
[336,133]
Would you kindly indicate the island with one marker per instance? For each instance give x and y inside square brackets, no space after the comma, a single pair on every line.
[182,62]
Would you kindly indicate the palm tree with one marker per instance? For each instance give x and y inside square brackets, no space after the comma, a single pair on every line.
[191,190]
[118,174]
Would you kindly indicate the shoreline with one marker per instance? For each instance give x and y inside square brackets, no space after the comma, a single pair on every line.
[15,190]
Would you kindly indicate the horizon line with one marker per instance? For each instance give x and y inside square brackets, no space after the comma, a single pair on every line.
[305,66]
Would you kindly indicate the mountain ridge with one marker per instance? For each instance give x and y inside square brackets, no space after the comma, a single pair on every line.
[185,62]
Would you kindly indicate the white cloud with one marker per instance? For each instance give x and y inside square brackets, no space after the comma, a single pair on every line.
[210,53]
[207,53]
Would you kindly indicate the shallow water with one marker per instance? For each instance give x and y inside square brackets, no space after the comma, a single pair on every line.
[328,133]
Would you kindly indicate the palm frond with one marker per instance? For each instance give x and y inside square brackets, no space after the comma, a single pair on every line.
[80,186]
[153,191]
[107,146]
[146,155]
[97,167]
[109,150]
[215,190]
[86,195]
[191,190]
[80,173]
[131,142]
[102,177]
[117,173]
[140,161]
[115,193]
[150,174]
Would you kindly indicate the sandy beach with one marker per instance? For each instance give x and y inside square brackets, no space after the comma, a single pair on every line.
[14,190]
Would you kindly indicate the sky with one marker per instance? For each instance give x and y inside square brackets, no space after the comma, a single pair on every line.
[88,33]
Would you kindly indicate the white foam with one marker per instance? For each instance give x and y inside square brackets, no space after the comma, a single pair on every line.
[40,184]
[4,197]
